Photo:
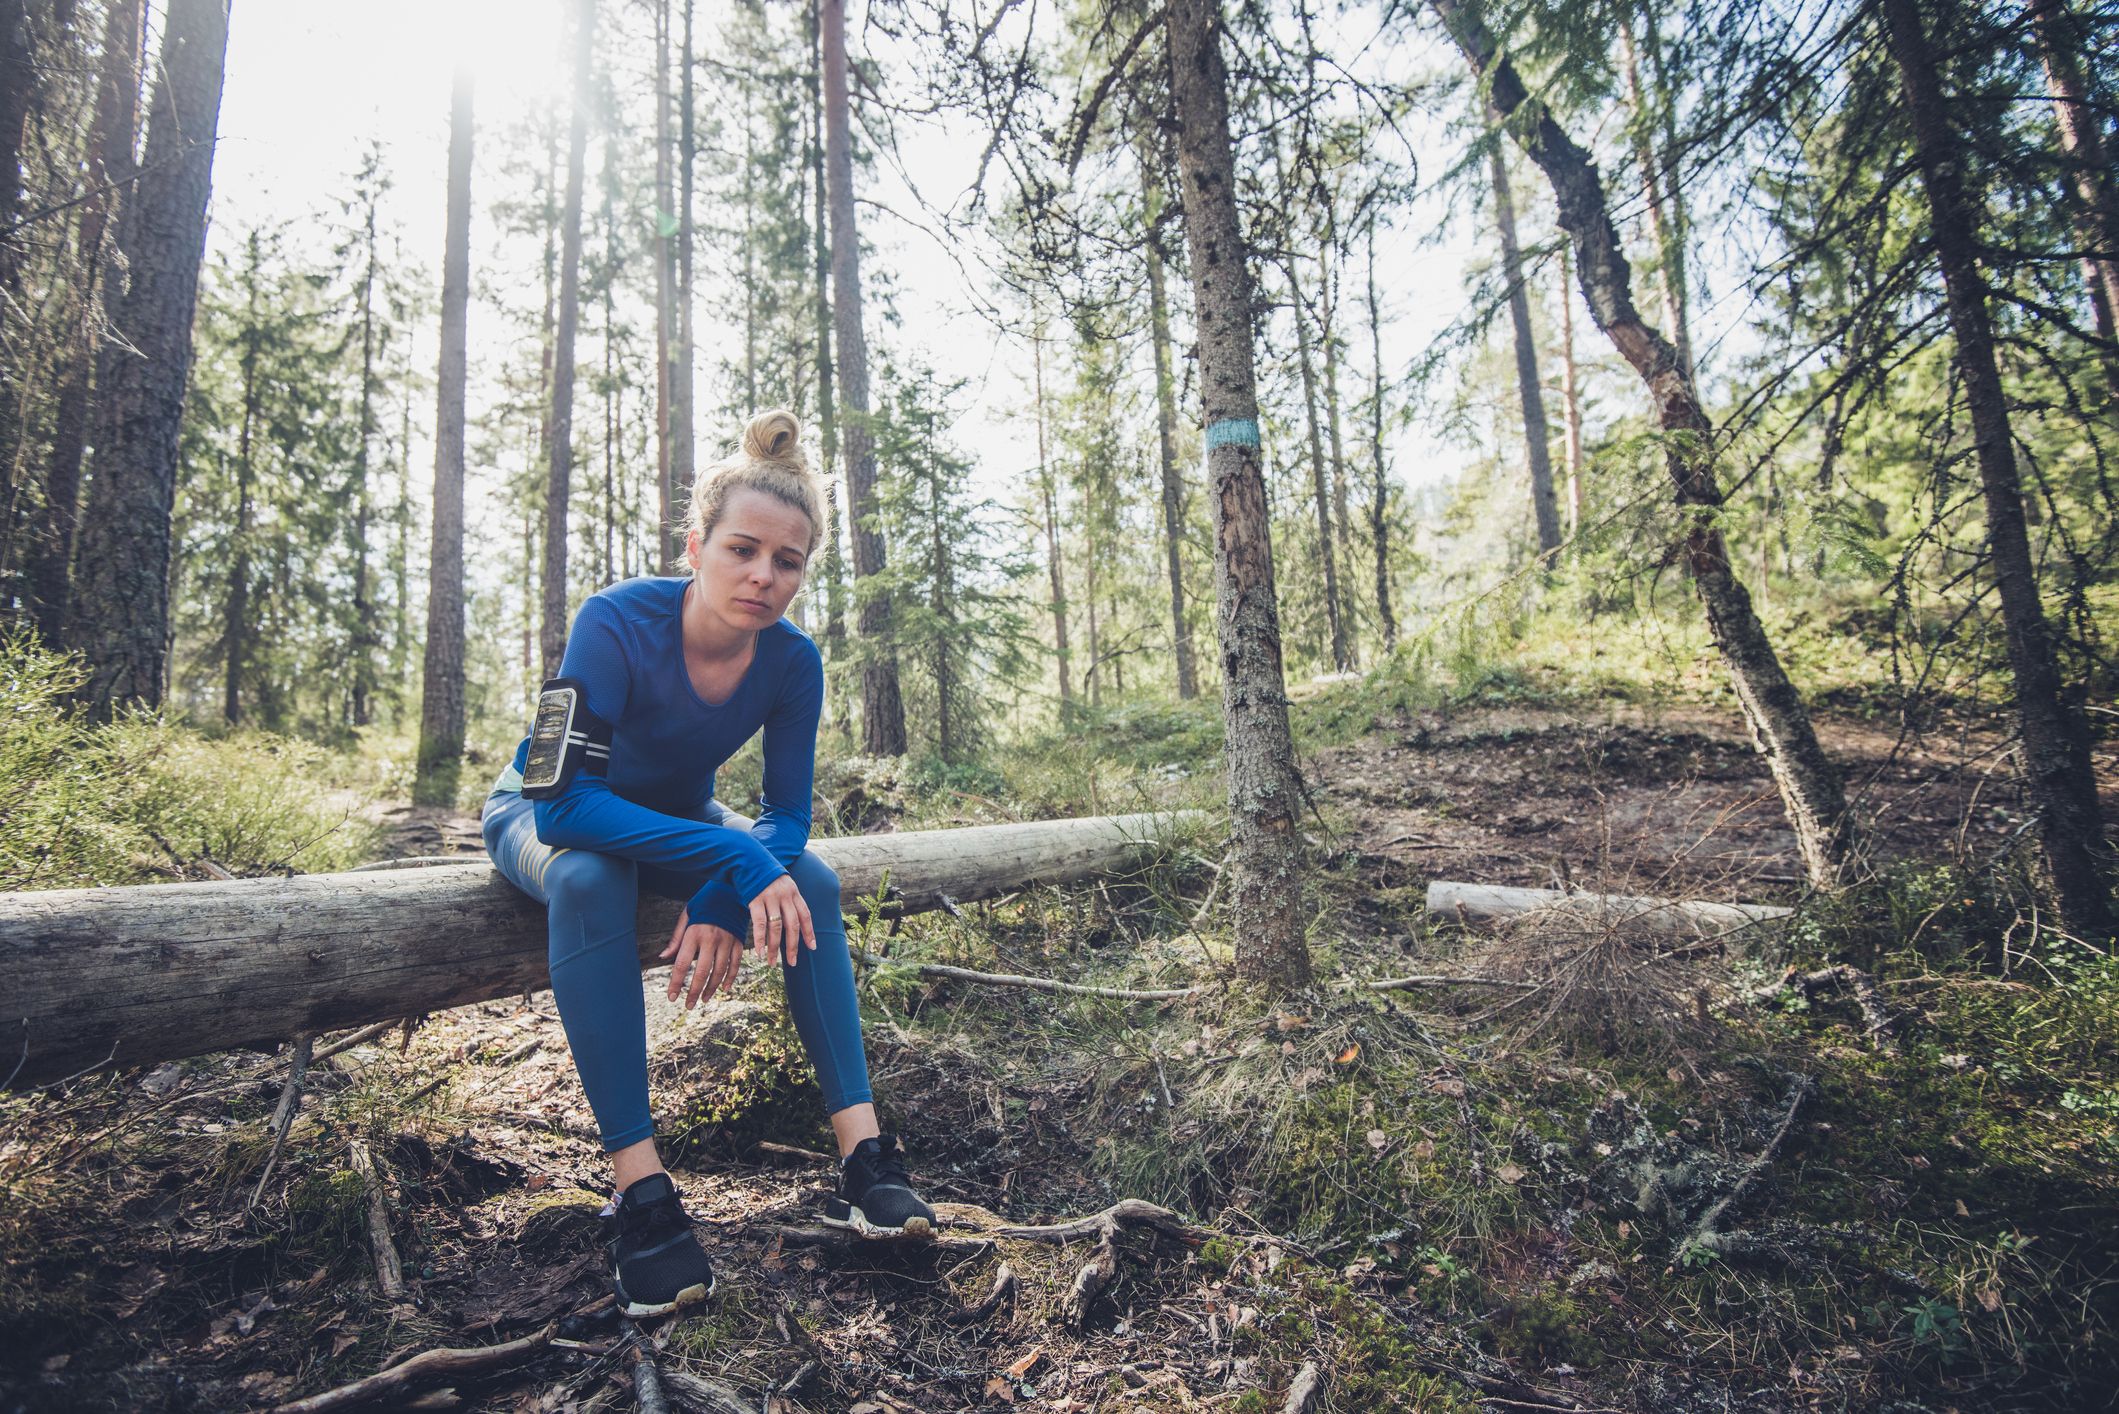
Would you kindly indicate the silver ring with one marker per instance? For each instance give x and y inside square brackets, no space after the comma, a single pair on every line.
[772,918]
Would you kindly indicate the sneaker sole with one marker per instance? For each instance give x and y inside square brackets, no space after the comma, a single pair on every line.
[856,1221]
[690,1296]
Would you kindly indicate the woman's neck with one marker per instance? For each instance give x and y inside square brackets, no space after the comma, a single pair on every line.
[710,639]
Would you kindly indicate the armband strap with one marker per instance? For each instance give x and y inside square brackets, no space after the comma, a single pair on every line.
[565,737]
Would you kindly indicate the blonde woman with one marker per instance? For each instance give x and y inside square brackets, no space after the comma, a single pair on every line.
[613,791]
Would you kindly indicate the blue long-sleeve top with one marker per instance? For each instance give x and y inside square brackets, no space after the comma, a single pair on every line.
[627,649]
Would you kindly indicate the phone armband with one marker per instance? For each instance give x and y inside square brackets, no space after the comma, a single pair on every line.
[565,737]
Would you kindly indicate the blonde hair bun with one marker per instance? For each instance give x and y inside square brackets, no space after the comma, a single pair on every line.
[775,436]
[771,460]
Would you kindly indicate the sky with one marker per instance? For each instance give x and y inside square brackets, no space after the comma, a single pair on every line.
[311,82]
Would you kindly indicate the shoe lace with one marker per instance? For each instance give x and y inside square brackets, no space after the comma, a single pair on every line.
[643,1220]
[888,1166]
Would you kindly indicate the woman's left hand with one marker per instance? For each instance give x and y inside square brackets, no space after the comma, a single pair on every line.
[780,924]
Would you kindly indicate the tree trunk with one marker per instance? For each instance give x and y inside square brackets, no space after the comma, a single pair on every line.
[441,708]
[2057,769]
[882,708]
[120,618]
[1328,341]
[19,82]
[1173,491]
[1809,783]
[552,636]
[1046,486]
[364,636]
[1669,252]
[938,602]
[1570,394]
[1379,507]
[665,295]
[2096,220]
[109,165]
[1265,861]
[1327,550]
[684,468]
[235,607]
[129,976]
[1536,439]
[827,411]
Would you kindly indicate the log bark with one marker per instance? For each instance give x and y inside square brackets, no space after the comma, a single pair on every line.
[127,976]
[1264,791]
[1684,918]
[441,708]
[2057,769]
[1810,787]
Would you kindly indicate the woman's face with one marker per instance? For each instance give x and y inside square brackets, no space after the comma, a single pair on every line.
[751,563]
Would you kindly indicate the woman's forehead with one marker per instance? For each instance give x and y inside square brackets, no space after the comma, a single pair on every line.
[763,516]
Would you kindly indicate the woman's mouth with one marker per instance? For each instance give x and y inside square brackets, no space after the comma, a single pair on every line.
[756,606]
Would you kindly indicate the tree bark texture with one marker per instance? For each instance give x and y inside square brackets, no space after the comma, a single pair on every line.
[1328,346]
[827,393]
[1809,783]
[552,636]
[366,632]
[109,166]
[128,976]
[1173,490]
[1266,893]
[2057,769]
[1380,498]
[1688,918]
[120,603]
[882,707]
[1536,436]
[441,708]
[1662,226]
[2096,219]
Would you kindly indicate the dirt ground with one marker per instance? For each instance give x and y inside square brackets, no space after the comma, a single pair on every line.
[161,1290]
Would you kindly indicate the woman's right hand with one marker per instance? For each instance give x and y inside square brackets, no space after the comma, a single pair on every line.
[709,955]
[780,925]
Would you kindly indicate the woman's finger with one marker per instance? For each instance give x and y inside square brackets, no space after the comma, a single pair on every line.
[677,933]
[678,969]
[799,927]
[702,973]
[729,967]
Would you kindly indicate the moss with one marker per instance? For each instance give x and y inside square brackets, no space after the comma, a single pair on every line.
[1542,1329]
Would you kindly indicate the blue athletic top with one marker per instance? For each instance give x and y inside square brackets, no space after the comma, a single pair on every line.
[627,649]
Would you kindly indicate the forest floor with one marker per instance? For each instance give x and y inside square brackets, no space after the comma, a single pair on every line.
[1612,1173]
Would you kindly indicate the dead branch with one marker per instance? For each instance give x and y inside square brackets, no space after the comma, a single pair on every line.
[1704,1236]
[389,1272]
[647,1380]
[347,1043]
[428,1368]
[1688,918]
[1399,984]
[1306,1393]
[789,1151]
[1877,1024]
[1034,984]
[283,1115]
[1003,1292]
[708,1396]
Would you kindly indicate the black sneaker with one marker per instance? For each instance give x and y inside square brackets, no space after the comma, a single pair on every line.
[656,1263]
[875,1196]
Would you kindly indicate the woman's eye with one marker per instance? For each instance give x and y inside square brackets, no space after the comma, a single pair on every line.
[743,550]
[789,565]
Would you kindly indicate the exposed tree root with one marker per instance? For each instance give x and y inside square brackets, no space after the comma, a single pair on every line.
[395,1386]
[1090,1281]
[696,1392]
[1002,1294]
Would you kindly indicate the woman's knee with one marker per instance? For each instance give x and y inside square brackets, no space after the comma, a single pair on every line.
[819,883]
[582,881]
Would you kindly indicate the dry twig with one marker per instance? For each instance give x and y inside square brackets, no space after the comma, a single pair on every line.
[422,1371]
[1704,1235]
[283,1116]
[1003,1292]
[1306,1393]
[389,1272]
[1034,984]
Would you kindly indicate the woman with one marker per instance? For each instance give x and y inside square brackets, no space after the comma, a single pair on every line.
[663,680]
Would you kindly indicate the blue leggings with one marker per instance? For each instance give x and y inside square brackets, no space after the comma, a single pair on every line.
[595,960]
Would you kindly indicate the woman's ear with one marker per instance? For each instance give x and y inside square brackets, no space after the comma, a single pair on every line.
[691,546]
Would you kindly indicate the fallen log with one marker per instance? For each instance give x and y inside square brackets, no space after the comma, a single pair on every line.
[1683,918]
[126,976]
